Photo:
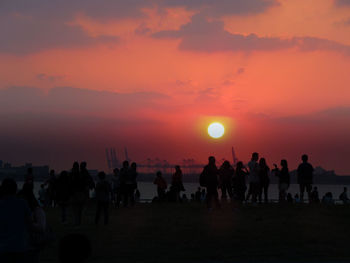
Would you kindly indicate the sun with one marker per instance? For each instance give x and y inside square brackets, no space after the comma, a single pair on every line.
[216,130]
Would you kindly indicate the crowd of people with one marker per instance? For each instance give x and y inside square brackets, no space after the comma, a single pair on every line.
[24,230]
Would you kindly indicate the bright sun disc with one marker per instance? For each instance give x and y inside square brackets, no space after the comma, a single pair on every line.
[216,130]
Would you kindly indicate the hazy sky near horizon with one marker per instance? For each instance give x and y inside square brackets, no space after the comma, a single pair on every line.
[79,76]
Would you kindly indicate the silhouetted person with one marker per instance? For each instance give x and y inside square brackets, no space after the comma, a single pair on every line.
[203,196]
[137,196]
[103,191]
[133,177]
[328,199]
[210,178]
[42,195]
[51,189]
[197,195]
[314,196]
[264,178]
[284,180]
[126,183]
[254,182]
[74,248]
[290,199]
[239,182]
[29,177]
[226,172]
[305,177]
[79,197]
[176,183]
[116,188]
[297,199]
[15,224]
[344,196]
[161,185]
[89,183]
[64,193]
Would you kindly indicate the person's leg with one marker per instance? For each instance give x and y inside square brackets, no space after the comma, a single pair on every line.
[308,190]
[223,191]
[106,212]
[98,212]
[302,189]
[266,190]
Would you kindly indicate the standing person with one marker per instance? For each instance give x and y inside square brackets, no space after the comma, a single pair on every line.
[116,188]
[239,182]
[161,185]
[79,197]
[103,191]
[226,172]
[254,182]
[51,189]
[29,177]
[209,179]
[176,183]
[264,179]
[42,195]
[284,179]
[305,177]
[64,193]
[16,222]
[88,181]
[133,178]
[125,182]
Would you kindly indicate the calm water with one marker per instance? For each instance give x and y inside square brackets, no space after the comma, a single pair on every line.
[148,190]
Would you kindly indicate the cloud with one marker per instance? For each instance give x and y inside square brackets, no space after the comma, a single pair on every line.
[25,34]
[220,8]
[342,2]
[202,35]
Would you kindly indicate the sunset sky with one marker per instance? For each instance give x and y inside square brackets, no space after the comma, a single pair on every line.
[79,76]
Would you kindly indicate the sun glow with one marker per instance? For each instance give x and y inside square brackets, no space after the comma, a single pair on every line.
[216,130]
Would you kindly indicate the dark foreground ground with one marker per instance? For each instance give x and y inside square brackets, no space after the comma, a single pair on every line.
[189,233]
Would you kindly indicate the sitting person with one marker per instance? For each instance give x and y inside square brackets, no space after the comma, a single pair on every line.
[314,198]
[297,199]
[328,199]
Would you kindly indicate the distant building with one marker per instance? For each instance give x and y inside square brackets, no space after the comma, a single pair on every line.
[17,173]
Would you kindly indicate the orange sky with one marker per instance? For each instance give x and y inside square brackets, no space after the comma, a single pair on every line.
[149,75]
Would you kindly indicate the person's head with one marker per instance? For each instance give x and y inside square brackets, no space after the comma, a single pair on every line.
[101,175]
[125,164]
[30,170]
[83,165]
[315,188]
[211,160]
[64,174]
[133,165]
[255,156]
[115,171]
[74,248]
[284,163]
[52,172]
[262,162]
[296,196]
[199,188]
[239,165]
[177,168]
[8,187]
[226,164]
[305,158]
[159,174]
[75,166]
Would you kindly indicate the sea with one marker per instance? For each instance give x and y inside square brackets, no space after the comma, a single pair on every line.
[148,190]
